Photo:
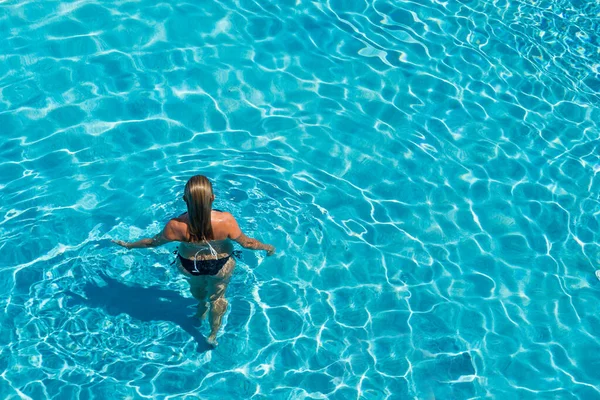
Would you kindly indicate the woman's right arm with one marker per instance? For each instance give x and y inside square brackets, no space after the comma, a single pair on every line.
[236,234]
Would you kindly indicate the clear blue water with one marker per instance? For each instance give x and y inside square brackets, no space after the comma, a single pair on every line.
[428,171]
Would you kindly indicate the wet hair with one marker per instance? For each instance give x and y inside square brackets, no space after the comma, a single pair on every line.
[198,196]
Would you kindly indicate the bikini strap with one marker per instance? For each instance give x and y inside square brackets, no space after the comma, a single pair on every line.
[195,257]
[213,252]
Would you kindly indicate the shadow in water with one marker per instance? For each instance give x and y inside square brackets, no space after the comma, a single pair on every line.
[142,303]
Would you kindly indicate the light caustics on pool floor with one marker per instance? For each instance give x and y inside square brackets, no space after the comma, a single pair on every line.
[427,170]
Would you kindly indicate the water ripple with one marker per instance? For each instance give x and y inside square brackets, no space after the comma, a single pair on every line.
[427,170]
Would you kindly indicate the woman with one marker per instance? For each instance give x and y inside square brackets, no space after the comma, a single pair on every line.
[205,250]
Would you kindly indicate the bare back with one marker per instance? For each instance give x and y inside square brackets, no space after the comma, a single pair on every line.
[224,227]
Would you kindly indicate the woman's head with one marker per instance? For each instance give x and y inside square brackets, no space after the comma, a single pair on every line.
[198,196]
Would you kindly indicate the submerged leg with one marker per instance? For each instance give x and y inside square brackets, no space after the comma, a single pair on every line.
[217,310]
[202,310]
[198,290]
[218,303]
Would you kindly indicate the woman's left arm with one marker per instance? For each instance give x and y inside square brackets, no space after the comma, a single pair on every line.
[168,234]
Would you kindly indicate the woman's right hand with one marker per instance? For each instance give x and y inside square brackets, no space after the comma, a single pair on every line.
[270,250]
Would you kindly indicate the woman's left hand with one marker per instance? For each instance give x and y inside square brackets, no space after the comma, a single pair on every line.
[122,243]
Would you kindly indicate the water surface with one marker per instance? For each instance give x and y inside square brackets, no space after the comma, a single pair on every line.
[427,170]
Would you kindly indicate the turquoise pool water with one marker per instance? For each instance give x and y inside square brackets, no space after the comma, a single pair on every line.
[428,171]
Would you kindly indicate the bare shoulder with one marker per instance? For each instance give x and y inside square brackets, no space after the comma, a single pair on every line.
[225,225]
[227,216]
[222,219]
[233,229]
[176,229]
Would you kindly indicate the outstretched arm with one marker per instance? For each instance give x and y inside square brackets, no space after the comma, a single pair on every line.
[168,234]
[254,244]
[235,233]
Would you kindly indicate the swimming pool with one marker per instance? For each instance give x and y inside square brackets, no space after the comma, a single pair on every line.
[427,170]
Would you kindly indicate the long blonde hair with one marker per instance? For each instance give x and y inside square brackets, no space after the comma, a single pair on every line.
[198,196]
